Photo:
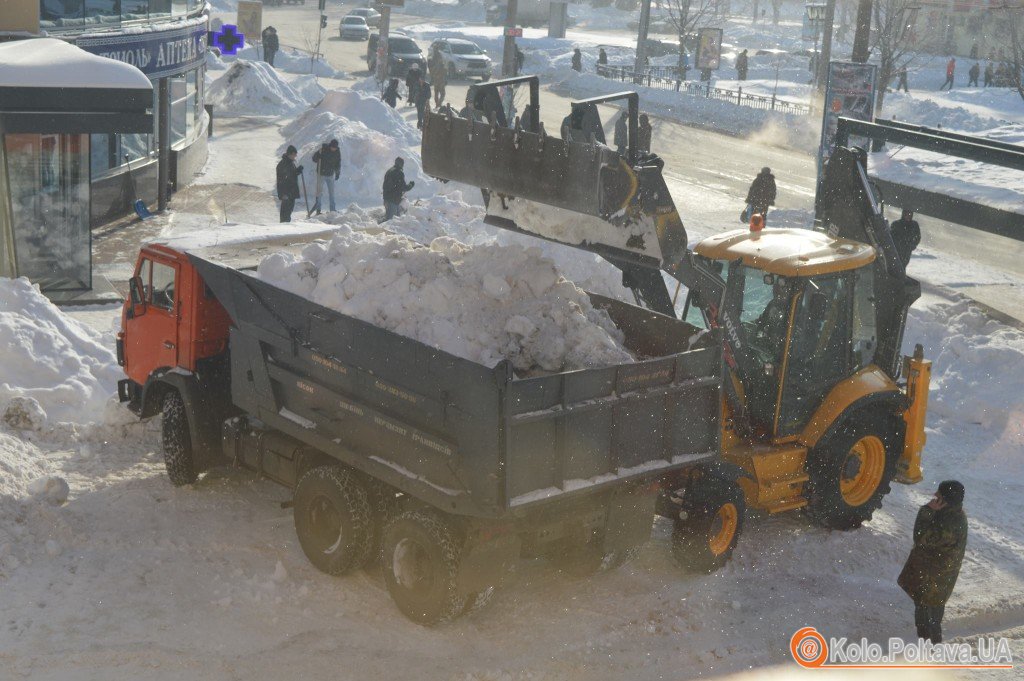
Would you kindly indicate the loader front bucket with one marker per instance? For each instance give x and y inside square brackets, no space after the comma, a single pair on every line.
[580,193]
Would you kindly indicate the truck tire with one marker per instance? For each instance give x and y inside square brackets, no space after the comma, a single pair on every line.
[177,442]
[852,470]
[704,541]
[332,519]
[383,507]
[420,557]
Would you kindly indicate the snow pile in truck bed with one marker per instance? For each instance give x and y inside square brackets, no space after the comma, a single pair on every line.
[484,303]
[67,367]
[253,88]
[365,156]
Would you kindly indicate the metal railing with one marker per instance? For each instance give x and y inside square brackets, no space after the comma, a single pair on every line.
[668,77]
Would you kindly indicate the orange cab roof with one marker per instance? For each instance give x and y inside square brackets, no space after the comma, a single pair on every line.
[788,252]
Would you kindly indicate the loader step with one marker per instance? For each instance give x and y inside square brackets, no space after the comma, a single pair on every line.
[797,479]
[785,505]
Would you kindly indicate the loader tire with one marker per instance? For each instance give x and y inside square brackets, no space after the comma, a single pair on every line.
[704,541]
[420,558]
[852,470]
[177,443]
[332,519]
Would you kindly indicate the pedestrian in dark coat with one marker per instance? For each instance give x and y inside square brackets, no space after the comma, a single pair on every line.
[577,60]
[328,169]
[931,570]
[602,57]
[742,62]
[413,78]
[972,75]
[271,44]
[390,95]
[643,134]
[902,82]
[621,137]
[989,73]
[950,71]
[520,60]
[906,235]
[422,103]
[288,182]
[762,192]
[393,189]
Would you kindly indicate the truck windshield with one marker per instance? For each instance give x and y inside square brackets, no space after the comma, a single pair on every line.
[465,49]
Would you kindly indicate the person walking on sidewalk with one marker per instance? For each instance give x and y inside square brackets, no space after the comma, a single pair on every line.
[972,75]
[902,82]
[950,71]
[328,169]
[393,189]
[422,103]
[390,95]
[621,137]
[906,234]
[762,193]
[742,63]
[288,182]
[412,83]
[989,74]
[438,77]
[931,570]
[271,44]
[577,60]
[643,134]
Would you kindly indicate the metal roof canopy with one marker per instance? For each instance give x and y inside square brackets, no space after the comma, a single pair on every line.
[958,210]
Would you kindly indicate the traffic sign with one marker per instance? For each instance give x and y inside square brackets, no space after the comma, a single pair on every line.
[516,32]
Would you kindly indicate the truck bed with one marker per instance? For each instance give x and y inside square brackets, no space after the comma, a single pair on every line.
[467,438]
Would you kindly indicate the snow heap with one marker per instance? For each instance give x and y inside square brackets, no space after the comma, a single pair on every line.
[254,88]
[366,154]
[288,60]
[65,366]
[484,303]
[372,112]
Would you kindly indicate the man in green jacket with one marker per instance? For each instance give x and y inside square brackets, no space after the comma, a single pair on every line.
[940,537]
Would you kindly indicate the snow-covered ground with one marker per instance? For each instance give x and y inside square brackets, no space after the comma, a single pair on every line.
[130,578]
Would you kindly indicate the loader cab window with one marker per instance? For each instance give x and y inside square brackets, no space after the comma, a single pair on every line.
[820,348]
[764,319]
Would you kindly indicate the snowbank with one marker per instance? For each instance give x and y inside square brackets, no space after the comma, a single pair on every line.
[485,303]
[365,155]
[288,60]
[68,368]
[253,88]
[372,112]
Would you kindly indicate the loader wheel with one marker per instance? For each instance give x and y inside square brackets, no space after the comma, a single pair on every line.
[704,541]
[332,519]
[420,557]
[851,472]
[177,442]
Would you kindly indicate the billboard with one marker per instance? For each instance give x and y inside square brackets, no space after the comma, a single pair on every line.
[850,93]
[250,19]
[709,48]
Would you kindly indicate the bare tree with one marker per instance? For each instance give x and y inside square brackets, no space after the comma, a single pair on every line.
[776,10]
[686,16]
[889,41]
[1013,26]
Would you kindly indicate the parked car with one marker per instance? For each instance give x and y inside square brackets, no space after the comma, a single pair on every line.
[371,15]
[463,58]
[403,52]
[355,27]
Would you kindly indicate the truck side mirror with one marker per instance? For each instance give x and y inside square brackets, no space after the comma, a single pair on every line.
[137,297]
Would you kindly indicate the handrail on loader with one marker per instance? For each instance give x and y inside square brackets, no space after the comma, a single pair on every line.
[633,113]
[534,106]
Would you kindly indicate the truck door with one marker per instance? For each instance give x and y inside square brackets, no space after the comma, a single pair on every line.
[151,333]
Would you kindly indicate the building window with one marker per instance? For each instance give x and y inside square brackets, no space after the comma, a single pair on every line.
[48,177]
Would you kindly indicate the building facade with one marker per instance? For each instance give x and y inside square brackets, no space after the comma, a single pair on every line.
[165,39]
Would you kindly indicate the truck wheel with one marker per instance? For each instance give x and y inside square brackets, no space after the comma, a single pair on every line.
[383,506]
[851,472]
[705,540]
[421,557]
[332,519]
[177,442]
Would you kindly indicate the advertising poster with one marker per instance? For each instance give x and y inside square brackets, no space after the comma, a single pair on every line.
[850,92]
[709,48]
[250,19]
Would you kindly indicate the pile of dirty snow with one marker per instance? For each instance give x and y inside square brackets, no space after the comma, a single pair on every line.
[253,88]
[485,303]
[372,112]
[365,156]
[65,366]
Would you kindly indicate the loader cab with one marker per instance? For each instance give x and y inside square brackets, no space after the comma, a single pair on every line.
[806,319]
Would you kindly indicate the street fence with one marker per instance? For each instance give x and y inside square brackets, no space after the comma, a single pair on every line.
[668,77]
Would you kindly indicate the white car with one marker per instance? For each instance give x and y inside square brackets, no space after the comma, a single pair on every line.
[463,58]
[355,27]
[371,15]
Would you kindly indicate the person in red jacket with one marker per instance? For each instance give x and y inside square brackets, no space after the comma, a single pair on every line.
[950,70]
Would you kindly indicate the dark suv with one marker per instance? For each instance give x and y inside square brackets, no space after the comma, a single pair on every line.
[403,52]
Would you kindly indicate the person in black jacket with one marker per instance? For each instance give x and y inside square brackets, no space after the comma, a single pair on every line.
[413,78]
[762,193]
[577,60]
[288,182]
[394,187]
[391,93]
[906,234]
[271,44]
[422,102]
[328,169]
